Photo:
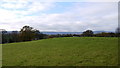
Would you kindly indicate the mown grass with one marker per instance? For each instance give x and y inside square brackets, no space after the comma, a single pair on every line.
[69,51]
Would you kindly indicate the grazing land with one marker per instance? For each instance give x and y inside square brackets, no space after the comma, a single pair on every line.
[67,51]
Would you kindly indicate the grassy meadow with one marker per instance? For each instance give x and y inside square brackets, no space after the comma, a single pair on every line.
[67,51]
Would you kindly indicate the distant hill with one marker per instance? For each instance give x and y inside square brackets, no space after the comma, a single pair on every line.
[54,33]
[95,32]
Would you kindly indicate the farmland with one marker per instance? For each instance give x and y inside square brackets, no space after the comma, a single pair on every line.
[67,51]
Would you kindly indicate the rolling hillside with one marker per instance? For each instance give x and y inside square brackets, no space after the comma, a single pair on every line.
[69,51]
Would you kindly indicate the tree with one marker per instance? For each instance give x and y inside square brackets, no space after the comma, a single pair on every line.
[3,31]
[38,35]
[15,36]
[88,33]
[5,38]
[27,33]
[103,34]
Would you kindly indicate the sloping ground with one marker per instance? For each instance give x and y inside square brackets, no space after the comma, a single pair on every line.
[72,51]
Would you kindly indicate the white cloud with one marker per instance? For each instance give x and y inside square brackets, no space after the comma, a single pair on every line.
[15,9]
[82,16]
[14,4]
[82,0]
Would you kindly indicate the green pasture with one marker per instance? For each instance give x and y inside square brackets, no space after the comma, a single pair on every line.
[67,51]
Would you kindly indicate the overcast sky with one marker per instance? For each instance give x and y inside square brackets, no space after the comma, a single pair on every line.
[59,16]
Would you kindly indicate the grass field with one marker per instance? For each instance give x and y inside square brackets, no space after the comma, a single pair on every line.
[69,51]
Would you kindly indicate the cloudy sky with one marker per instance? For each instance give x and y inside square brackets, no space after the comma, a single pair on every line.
[59,16]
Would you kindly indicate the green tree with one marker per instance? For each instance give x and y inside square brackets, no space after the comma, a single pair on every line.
[5,37]
[27,33]
[87,33]
[15,36]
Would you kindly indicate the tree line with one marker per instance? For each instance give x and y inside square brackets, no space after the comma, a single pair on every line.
[88,33]
[28,33]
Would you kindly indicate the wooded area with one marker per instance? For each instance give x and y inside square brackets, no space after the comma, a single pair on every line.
[28,33]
